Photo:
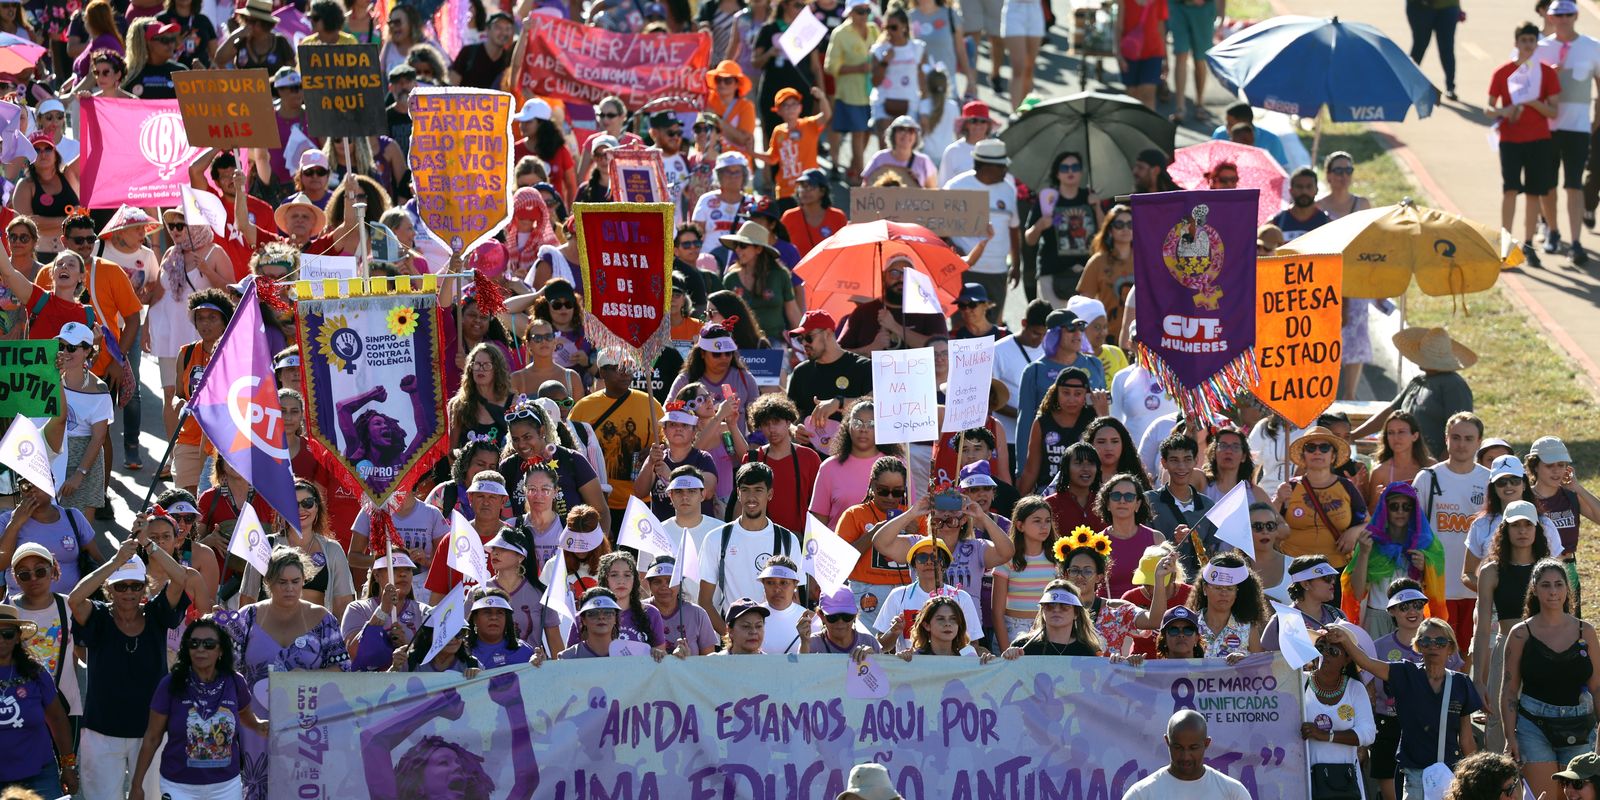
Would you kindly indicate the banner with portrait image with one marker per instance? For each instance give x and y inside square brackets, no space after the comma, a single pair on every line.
[1194,266]
[374,392]
[1299,336]
[461,163]
[625,254]
[767,727]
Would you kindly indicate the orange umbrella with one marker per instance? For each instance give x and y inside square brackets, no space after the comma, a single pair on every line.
[847,267]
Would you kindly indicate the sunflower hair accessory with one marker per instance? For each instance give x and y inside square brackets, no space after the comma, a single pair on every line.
[1082,538]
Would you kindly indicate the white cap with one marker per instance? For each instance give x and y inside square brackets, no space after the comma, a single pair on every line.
[778,572]
[605,140]
[134,570]
[287,77]
[600,603]
[1550,450]
[580,542]
[732,158]
[182,507]
[1061,597]
[1088,309]
[1323,570]
[532,110]
[679,416]
[1504,466]
[1520,511]
[1218,575]
[32,550]
[481,486]
[1406,596]
[76,334]
[50,105]
[399,561]
[686,482]
[503,543]
[491,601]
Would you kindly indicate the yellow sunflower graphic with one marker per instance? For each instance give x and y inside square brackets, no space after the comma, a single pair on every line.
[402,321]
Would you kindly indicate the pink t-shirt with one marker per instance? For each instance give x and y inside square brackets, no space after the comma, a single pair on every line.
[840,485]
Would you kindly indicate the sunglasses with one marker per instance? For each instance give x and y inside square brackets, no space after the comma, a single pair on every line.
[1509,480]
[123,587]
[896,492]
[1070,168]
[166,40]
[525,412]
[1330,650]
[28,575]
[720,355]
[1182,630]
[85,240]
[565,402]
[837,618]
[1264,527]
[1402,506]
[314,172]
[562,305]
[1411,605]
[187,519]
[73,348]
[704,128]
[691,244]
[103,73]
[966,305]
[676,132]
[1342,171]
[727,80]
[204,644]
[309,502]
[1432,641]
[924,558]
[542,337]
[1319,447]
[1122,497]
[9,633]
[1121,224]
[607,115]
[20,238]
[177,227]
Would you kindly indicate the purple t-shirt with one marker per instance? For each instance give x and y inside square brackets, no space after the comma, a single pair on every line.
[690,623]
[500,653]
[661,505]
[580,650]
[24,737]
[821,644]
[202,729]
[629,629]
[966,568]
[64,539]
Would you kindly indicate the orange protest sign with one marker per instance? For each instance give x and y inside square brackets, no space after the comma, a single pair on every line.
[461,162]
[1298,317]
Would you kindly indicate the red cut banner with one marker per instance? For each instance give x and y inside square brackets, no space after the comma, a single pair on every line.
[579,64]
[625,252]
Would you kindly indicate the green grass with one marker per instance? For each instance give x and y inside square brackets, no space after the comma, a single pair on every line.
[1249,9]
[1523,391]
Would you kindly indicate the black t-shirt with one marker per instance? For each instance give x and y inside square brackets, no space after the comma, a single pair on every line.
[124,670]
[1065,243]
[695,281]
[782,73]
[572,473]
[154,82]
[662,374]
[399,128]
[194,48]
[477,69]
[848,377]
[1040,646]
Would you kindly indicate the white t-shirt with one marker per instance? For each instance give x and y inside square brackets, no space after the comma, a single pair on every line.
[696,535]
[1458,500]
[1577,72]
[957,159]
[1271,454]
[86,410]
[747,553]
[45,647]
[781,635]
[1155,432]
[939,138]
[1002,215]
[911,597]
[1011,357]
[1353,712]
[140,265]
[1138,399]
[676,167]
[420,529]
[1484,526]
[900,78]
[715,217]
[1160,785]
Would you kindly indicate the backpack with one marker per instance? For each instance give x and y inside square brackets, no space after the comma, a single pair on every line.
[780,547]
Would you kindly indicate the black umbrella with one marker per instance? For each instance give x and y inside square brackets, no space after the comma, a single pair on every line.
[1108,130]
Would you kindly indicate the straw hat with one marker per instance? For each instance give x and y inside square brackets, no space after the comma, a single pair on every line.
[280,214]
[751,233]
[1434,349]
[1317,433]
[10,617]
[257,9]
[127,216]
[728,69]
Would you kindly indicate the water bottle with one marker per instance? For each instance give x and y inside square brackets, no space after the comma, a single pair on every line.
[727,442]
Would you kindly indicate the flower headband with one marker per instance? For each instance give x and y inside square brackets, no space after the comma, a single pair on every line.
[1081,538]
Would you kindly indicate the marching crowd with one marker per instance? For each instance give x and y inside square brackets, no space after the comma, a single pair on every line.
[1439,572]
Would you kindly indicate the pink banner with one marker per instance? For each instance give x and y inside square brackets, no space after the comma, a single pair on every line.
[134,152]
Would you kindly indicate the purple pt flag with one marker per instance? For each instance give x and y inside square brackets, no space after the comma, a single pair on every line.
[1194,266]
[237,407]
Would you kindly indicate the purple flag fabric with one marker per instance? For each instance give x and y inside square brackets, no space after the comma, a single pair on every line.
[237,407]
[1194,266]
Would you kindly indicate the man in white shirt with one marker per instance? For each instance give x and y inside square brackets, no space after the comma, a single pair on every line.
[780,580]
[996,268]
[1576,59]
[732,555]
[1452,494]
[1187,776]
[686,490]
[1012,355]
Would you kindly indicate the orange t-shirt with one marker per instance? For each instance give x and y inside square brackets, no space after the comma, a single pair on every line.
[794,150]
[112,296]
[687,330]
[803,236]
[741,114]
[189,371]
[873,567]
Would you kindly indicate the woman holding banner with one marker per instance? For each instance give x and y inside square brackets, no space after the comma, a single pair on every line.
[1061,627]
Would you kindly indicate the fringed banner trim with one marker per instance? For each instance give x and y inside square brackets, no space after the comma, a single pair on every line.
[1207,401]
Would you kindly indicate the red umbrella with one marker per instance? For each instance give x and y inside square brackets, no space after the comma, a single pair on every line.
[1257,169]
[847,267]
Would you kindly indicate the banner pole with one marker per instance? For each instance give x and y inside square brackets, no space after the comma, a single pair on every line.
[166,456]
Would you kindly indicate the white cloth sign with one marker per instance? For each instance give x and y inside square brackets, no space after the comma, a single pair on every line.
[23,450]
[828,558]
[249,540]
[557,595]
[1231,515]
[446,619]
[643,532]
[1293,638]
[966,395]
[465,554]
[907,399]
[920,296]
[803,36]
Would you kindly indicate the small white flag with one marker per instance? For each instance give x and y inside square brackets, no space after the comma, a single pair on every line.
[1294,640]
[803,36]
[920,296]
[23,450]
[446,619]
[249,540]
[204,208]
[687,564]
[643,532]
[466,551]
[557,596]
[1231,515]
[828,558]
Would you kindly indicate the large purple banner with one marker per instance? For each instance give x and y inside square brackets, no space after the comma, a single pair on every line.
[1194,270]
[776,728]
